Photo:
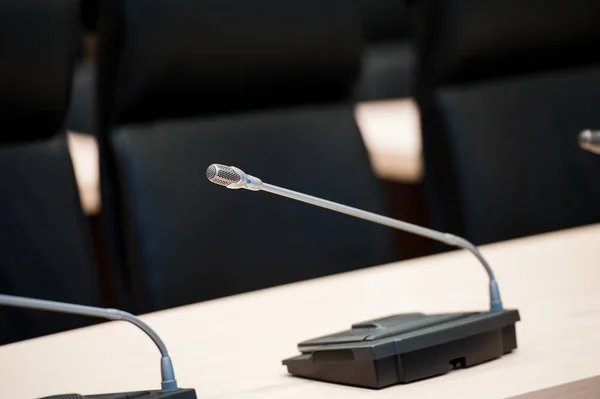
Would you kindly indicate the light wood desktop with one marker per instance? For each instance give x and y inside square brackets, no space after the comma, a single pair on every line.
[233,347]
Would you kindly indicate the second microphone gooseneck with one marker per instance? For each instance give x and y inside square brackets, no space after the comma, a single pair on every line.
[168,382]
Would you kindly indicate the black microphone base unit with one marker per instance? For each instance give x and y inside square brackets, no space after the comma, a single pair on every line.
[174,394]
[406,348]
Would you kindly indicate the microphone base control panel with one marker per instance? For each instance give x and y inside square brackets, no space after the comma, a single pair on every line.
[405,348]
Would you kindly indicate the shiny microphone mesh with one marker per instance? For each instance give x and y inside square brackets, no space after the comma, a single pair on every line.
[222,175]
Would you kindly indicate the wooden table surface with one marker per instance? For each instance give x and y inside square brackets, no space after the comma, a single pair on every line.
[233,347]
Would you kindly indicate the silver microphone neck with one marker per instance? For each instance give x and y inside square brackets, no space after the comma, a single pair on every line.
[255,184]
[168,382]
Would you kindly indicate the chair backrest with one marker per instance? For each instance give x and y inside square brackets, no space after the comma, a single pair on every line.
[385,20]
[261,85]
[45,247]
[388,59]
[504,88]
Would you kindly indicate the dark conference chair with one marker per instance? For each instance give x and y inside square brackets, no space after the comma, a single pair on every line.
[45,248]
[89,14]
[387,60]
[81,112]
[260,85]
[504,88]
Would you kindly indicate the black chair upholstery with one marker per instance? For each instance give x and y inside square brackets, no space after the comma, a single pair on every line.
[515,151]
[385,20]
[90,10]
[37,50]
[81,114]
[203,57]
[468,41]
[388,59]
[261,86]
[45,248]
[504,88]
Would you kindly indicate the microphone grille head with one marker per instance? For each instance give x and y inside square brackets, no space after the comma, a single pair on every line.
[222,175]
[211,172]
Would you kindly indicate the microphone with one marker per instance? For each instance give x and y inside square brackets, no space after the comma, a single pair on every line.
[234,178]
[589,140]
[400,348]
[168,382]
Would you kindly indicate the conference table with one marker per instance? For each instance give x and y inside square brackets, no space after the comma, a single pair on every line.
[233,347]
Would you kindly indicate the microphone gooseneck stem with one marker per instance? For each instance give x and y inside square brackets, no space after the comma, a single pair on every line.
[168,375]
[449,239]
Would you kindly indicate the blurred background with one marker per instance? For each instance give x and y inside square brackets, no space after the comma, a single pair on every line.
[460,115]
